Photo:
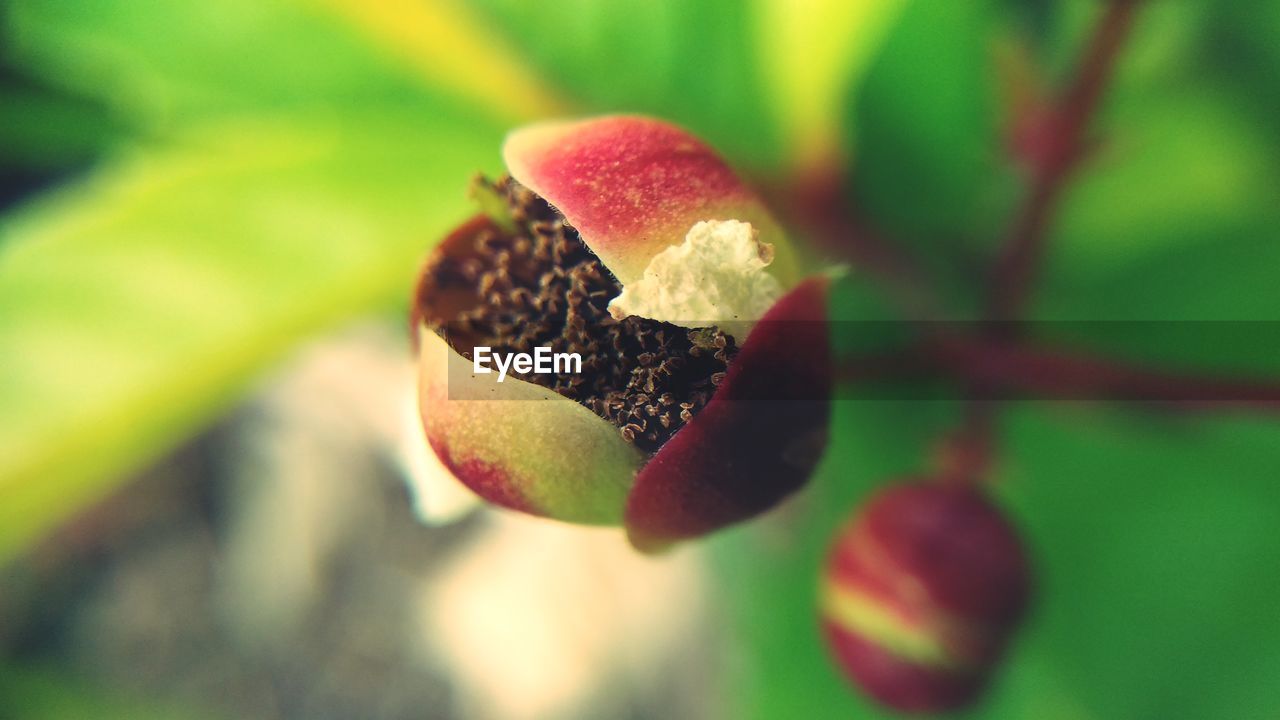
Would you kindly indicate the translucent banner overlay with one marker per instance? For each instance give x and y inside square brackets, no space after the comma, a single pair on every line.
[1182,362]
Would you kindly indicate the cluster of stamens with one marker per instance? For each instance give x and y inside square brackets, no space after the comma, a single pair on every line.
[536,284]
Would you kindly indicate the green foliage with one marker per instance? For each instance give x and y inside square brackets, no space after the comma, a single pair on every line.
[47,130]
[930,169]
[161,65]
[1173,219]
[1155,542]
[25,693]
[167,279]
[261,204]
[692,62]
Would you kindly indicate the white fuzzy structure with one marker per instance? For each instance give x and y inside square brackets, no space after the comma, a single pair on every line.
[716,275]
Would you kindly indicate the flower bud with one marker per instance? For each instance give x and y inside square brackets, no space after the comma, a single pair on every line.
[702,394]
[921,593]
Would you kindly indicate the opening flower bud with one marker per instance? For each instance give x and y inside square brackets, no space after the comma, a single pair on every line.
[921,593]
[701,395]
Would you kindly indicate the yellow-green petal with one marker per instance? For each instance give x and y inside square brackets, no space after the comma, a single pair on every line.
[521,445]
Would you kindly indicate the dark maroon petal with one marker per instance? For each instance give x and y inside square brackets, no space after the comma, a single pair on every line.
[756,442]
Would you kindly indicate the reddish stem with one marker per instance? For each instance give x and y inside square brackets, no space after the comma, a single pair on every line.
[1065,375]
[1060,147]
[999,369]
[1061,151]
[964,457]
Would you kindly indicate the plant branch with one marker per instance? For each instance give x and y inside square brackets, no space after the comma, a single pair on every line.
[1007,368]
[1059,144]
[1060,151]
[964,456]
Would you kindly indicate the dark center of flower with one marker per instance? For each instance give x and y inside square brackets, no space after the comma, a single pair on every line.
[536,284]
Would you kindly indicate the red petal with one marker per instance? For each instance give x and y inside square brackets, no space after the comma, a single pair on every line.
[632,186]
[756,442]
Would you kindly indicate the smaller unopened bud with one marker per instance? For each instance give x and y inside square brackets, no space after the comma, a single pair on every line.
[921,593]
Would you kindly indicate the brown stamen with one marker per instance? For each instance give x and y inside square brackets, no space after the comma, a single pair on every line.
[542,287]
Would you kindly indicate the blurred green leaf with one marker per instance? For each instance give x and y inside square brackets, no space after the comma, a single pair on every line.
[693,63]
[1242,52]
[289,169]
[1175,218]
[162,64]
[27,694]
[449,47]
[1172,218]
[1156,546]
[43,129]
[137,303]
[1183,173]
[1215,176]
[929,165]
[811,54]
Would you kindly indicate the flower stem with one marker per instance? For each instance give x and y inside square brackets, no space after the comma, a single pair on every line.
[1017,266]
[996,370]
[1055,374]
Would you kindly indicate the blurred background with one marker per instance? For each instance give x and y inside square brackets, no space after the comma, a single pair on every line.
[211,215]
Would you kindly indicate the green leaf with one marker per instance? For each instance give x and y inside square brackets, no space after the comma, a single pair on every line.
[139,302]
[809,60]
[1215,176]
[1241,51]
[929,165]
[692,63]
[52,695]
[163,64]
[449,47]
[46,130]
[1155,544]
[1172,223]
[296,161]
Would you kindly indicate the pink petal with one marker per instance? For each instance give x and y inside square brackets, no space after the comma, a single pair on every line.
[633,185]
